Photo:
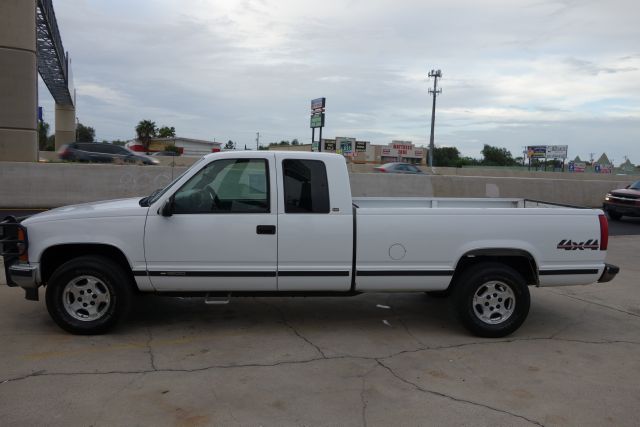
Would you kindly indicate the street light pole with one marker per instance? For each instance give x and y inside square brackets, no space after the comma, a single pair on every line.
[436,74]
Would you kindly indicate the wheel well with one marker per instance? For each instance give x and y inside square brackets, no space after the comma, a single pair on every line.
[519,260]
[54,256]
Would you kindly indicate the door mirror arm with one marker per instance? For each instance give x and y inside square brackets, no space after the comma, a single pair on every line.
[167,207]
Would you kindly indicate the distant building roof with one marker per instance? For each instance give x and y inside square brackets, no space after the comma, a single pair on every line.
[603,160]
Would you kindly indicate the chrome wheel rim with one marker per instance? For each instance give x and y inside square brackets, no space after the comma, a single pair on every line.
[494,302]
[86,298]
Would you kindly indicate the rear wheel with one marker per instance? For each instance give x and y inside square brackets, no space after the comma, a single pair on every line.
[89,295]
[491,299]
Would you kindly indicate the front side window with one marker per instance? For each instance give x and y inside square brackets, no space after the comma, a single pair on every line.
[306,189]
[226,186]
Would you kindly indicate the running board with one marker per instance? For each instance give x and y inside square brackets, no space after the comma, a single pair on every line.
[217,300]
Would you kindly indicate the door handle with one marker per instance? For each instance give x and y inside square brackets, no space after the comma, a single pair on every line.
[266,229]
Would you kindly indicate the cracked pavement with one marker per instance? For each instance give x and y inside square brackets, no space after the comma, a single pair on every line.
[331,361]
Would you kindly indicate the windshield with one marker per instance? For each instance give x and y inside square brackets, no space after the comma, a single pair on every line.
[151,198]
[635,185]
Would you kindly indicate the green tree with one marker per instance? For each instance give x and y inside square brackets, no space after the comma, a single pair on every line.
[43,137]
[446,156]
[295,142]
[146,130]
[119,142]
[496,156]
[230,145]
[167,132]
[85,133]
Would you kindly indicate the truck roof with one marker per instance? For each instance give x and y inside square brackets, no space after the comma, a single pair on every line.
[279,154]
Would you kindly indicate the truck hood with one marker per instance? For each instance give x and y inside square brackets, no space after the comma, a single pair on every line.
[107,208]
[627,192]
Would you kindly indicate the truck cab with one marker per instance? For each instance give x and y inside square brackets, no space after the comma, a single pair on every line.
[253,221]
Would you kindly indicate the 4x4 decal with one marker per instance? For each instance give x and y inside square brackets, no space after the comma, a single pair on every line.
[570,245]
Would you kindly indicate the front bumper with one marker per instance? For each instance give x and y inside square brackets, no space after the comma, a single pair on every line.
[609,273]
[628,210]
[24,275]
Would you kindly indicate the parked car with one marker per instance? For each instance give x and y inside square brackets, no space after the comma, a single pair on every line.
[166,153]
[399,167]
[624,201]
[266,223]
[100,152]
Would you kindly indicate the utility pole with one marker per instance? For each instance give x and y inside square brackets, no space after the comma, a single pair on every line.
[436,74]
[257,140]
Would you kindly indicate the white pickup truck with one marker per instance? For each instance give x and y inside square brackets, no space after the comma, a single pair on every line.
[284,223]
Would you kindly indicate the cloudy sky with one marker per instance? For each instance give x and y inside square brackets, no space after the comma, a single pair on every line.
[515,73]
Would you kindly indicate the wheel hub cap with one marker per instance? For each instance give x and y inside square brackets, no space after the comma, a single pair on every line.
[86,298]
[494,302]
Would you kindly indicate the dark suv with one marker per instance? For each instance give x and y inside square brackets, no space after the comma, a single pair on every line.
[624,201]
[102,153]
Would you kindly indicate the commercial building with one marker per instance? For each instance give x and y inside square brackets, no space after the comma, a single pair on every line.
[365,152]
[187,146]
[401,151]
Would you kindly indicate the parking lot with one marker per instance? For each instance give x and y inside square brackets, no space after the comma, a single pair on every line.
[369,360]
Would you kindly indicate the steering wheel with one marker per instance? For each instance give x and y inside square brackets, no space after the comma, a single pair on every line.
[213,196]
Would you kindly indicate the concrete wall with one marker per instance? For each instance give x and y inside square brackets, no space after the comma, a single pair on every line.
[34,185]
[46,185]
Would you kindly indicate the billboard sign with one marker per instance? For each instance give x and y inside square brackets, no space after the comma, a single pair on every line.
[317,120]
[537,151]
[330,146]
[577,166]
[318,104]
[361,146]
[557,151]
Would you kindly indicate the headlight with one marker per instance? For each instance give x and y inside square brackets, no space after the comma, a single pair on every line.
[607,196]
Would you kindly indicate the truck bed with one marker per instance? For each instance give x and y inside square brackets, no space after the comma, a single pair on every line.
[452,202]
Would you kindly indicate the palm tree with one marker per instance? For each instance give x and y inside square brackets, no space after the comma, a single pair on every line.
[146,130]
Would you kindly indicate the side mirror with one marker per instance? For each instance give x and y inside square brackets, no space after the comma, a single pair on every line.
[167,207]
[628,186]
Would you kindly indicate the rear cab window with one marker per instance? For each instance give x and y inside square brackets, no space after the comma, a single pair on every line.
[306,188]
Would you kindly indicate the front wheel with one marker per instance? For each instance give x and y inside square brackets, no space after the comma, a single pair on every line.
[614,215]
[491,299]
[88,295]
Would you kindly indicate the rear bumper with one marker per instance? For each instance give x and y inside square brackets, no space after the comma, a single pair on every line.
[23,275]
[609,273]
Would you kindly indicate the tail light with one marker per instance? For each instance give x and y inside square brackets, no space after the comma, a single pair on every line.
[63,151]
[604,232]
[381,169]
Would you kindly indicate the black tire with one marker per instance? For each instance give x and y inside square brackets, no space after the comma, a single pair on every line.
[615,216]
[113,284]
[475,282]
[439,294]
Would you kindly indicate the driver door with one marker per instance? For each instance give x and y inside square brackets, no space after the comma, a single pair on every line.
[222,231]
